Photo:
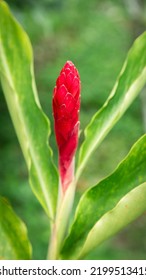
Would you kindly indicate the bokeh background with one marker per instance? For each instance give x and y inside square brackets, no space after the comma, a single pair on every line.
[96,36]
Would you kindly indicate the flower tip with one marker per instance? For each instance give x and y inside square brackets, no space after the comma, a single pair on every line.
[69,62]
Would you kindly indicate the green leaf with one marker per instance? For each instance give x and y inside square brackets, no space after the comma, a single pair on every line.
[104,197]
[130,207]
[14,243]
[31,124]
[129,83]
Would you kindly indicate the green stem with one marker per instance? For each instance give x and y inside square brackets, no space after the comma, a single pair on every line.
[52,251]
[65,204]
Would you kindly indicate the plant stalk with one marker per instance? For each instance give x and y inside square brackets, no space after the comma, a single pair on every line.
[64,207]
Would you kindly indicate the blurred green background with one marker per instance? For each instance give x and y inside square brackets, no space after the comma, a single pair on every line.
[96,36]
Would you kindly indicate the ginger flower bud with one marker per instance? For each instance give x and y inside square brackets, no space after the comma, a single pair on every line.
[66,106]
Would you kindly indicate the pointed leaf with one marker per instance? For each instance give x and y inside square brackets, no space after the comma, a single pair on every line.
[128,85]
[103,197]
[14,243]
[31,125]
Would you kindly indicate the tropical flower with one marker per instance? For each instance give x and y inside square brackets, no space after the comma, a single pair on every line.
[66,106]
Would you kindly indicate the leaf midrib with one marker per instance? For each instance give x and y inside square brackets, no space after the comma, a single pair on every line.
[29,148]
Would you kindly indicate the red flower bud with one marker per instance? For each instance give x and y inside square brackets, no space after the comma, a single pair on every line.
[66,105]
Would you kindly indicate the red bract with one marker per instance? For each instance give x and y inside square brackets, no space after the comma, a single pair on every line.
[66,105]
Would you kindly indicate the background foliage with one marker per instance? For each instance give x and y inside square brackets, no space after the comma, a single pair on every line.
[96,40]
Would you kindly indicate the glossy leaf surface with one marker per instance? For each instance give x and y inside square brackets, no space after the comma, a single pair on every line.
[31,124]
[104,197]
[131,206]
[128,85]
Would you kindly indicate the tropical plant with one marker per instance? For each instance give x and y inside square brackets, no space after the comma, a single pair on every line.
[103,209]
